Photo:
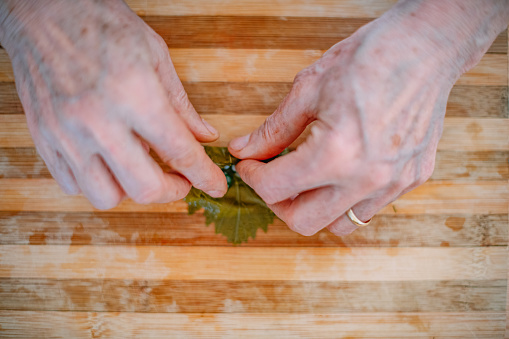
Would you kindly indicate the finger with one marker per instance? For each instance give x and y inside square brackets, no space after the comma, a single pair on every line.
[311,211]
[307,168]
[138,174]
[58,168]
[145,146]
[66,178]
[168,135]
[364,210]
[177,95]
[97,183]
[279,130]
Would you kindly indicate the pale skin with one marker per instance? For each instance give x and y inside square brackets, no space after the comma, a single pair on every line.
[98,88]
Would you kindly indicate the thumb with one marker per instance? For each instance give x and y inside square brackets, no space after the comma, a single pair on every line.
[279,130]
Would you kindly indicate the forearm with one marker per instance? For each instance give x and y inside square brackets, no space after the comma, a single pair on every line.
[18,17]
[14,14]
[458,30]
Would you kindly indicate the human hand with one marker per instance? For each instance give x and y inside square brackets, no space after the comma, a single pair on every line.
[98,85]
[377,101]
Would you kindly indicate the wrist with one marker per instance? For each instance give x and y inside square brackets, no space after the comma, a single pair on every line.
[14,16]
[453,34]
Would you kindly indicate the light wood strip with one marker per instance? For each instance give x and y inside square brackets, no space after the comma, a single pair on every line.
[252,263]
[275,65]
[77,325]
[272,65]
[471,134]
[180,229]
[466,134]
[263,98]
[507,295]
[284,8]
[436,197]
[219,296]
[469,166]
[14,131]
[21,163]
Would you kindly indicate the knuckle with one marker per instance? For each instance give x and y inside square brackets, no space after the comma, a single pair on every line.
[148,195]
[182,98]
[428,169]
[157,42]
[107,144]
[341,228]
[300,223]
[267,195]
[404,182]
[105,203]
[161,43]
[270,129]
[425,172]
[183,157]
[301,227]
[181,102]
[381,176]
[302,76]
[179,193]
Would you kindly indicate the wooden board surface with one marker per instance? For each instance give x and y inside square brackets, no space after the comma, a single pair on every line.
[434,263]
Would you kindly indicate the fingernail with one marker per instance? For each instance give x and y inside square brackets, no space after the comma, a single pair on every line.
[239,143]
[216,194]
[211,129]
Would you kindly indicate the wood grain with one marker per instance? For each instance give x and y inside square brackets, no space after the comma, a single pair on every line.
[220,296]
[432,264]
[262,98]
[469,166]
[180,229]
[472,134]
[9,100]
[264,32]
[24,163]
[276,65]
[436,197]
[484,325]
[283,8]
[252,263]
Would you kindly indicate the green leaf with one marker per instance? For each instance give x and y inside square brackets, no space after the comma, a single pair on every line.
[241,212]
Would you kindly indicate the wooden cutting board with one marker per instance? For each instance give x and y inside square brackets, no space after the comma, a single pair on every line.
[433,264]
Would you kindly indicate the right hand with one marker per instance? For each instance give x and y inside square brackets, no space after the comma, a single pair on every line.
[378,101]
[98,85]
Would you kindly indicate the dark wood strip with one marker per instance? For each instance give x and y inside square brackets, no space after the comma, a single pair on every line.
[479,101]
[253,32]
[22,163]
[9,100]
[263,98]
[236,98]
[180,229]
[264,32]
[219,296]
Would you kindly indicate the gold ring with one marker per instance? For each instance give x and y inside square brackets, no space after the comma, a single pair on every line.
[357,222]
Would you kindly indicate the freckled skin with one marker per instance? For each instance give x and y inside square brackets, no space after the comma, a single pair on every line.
[377,100]
[97,86]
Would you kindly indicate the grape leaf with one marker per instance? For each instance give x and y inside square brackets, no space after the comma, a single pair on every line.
[241,212]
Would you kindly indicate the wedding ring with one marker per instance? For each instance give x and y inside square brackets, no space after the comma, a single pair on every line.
[357,222]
